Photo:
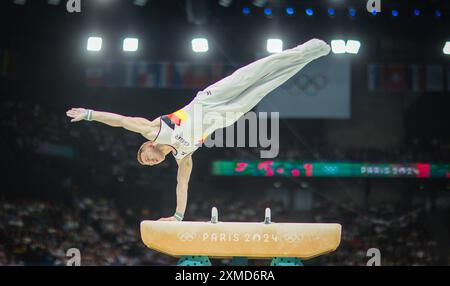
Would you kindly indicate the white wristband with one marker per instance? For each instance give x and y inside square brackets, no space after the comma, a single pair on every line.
[88,115]
[178,216]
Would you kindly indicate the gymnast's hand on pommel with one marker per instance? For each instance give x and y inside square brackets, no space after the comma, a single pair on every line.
[77,114]
[171,218]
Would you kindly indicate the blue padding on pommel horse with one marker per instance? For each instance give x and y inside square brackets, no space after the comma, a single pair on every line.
[194,261]
[286,261]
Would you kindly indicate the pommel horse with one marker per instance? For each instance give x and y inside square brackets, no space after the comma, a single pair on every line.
[287,244]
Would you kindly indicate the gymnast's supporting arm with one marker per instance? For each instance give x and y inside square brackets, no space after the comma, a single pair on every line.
[135,124]
[183,175]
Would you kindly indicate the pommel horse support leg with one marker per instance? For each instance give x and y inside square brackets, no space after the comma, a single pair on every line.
[287,244]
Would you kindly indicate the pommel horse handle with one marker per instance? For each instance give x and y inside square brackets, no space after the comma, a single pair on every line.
[268,216]
[214,215]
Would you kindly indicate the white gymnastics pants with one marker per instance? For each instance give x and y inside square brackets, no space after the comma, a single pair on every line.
[242,90]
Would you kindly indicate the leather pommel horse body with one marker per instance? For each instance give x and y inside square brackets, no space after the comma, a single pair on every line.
[284,243]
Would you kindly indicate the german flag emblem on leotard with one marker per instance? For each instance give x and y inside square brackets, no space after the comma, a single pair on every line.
[178,116]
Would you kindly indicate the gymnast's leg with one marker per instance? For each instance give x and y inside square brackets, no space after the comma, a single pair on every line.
[234,108]
[260,72]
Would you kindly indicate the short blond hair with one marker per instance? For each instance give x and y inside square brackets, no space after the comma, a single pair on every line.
[139,153]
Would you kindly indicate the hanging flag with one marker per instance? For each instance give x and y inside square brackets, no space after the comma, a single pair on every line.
[448,78]
[396,78]
[374,77]
[2,64]
[155,75]
[7,64]
[148,75]
[417,77]
[131,77]
[94,76]
[199,76]
[435,78]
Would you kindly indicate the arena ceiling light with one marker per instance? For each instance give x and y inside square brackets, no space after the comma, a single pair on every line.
[290,11]
[446,48]
[274,46]
[200,45]
[352,47]
[331,12]
[309,11]
[94,44]
[351,12]
[130,44]
[268,11]
[338,46]
[246,11]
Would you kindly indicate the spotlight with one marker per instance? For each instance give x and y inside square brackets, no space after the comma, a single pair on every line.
[416,12]
[130,44]
[309,12]
[274,45]
[268,11]
[200,45]
[94,44]
[446,48]
[352,47]
[352,12]
[338,46]
[290,11]
[331,11]
[394,13]
[245,10]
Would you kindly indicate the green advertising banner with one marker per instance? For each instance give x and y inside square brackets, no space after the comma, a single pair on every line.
[329,169]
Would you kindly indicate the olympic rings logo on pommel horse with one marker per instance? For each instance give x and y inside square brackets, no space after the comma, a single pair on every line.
[285,243]
[186,236]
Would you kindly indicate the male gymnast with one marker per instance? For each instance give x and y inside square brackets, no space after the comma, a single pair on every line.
[220,105]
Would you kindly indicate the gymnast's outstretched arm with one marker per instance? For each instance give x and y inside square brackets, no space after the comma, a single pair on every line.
[183,175]
[135,124]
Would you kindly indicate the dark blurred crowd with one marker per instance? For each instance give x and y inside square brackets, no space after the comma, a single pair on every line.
[401,234]
[40,233]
